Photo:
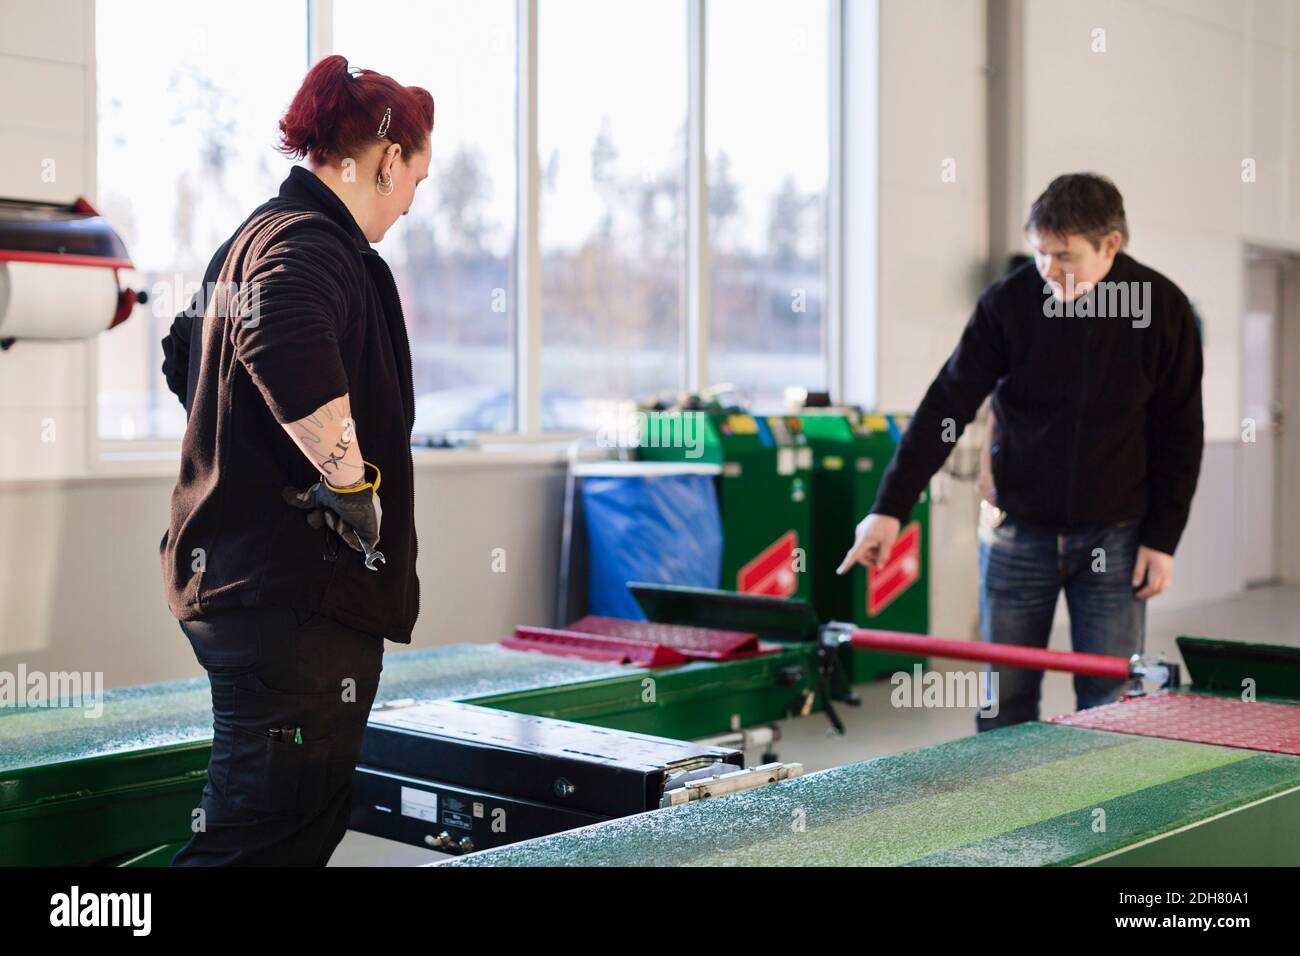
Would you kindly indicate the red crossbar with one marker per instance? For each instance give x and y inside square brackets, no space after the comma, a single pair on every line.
[1030,658]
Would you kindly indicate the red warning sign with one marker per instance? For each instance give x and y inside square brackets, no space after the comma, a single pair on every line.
[772,571]
[900,572]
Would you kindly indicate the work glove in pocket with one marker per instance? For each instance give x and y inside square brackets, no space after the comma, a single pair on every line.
[350,512]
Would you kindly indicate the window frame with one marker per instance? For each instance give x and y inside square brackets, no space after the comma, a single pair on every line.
[527,314]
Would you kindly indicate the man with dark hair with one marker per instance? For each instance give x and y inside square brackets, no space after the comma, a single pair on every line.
[1094,364]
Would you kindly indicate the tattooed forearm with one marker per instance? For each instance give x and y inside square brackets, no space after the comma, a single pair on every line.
[328,438]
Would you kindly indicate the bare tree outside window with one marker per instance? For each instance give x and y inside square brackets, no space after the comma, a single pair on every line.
[611,134]
[767,141]
[453,254]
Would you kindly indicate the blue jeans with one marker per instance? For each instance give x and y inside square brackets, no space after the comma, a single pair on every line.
[1022,570]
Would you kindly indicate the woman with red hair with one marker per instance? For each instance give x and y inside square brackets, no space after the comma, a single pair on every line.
[294,368]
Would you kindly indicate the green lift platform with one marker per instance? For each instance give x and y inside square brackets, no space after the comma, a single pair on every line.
[1031,795]
[1195,776]
[119,786]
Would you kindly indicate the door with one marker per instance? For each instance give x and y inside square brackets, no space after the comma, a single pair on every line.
[1262,410]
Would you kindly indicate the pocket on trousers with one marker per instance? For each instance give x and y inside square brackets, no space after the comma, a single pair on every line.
[995,531]
[1006,530]
[269,777]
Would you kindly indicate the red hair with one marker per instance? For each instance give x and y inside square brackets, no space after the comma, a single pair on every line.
[336,113]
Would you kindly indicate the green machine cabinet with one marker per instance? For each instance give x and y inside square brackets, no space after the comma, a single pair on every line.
[764,491]
[851,450]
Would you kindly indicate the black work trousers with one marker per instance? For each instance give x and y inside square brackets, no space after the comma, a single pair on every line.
[291,695]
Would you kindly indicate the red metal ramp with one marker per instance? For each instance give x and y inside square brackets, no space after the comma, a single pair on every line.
[708,643]
[645,643]
[1197,718]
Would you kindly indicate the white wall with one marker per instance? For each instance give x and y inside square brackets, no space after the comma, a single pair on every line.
[933,243]
[933,233]
[46,124]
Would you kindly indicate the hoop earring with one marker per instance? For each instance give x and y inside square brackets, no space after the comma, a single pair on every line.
[384,188]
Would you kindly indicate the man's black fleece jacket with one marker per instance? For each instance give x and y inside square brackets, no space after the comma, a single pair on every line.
[1098,416]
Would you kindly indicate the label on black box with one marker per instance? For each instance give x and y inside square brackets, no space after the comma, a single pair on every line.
[451,818]
[419,804]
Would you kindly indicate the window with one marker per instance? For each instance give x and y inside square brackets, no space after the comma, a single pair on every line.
[612,148]
[453,254]
[187,149]
[186,138]
[767,142]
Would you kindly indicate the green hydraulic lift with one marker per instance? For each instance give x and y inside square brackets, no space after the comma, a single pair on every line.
[1206,774]
[1029,795]
[80,788]
[119,786]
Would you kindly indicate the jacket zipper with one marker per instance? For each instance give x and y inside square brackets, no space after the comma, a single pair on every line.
[1078,426]
[410,372]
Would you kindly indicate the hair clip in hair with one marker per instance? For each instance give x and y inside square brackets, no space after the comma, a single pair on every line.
[383,124]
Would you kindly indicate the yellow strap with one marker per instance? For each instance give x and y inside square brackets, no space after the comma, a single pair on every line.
[361,487]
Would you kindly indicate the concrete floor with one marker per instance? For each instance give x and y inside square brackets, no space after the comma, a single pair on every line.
[1267,615]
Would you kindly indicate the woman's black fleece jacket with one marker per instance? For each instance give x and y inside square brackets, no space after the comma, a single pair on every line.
[296,310]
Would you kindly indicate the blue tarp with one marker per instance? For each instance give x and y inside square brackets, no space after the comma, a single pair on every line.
[664,529]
